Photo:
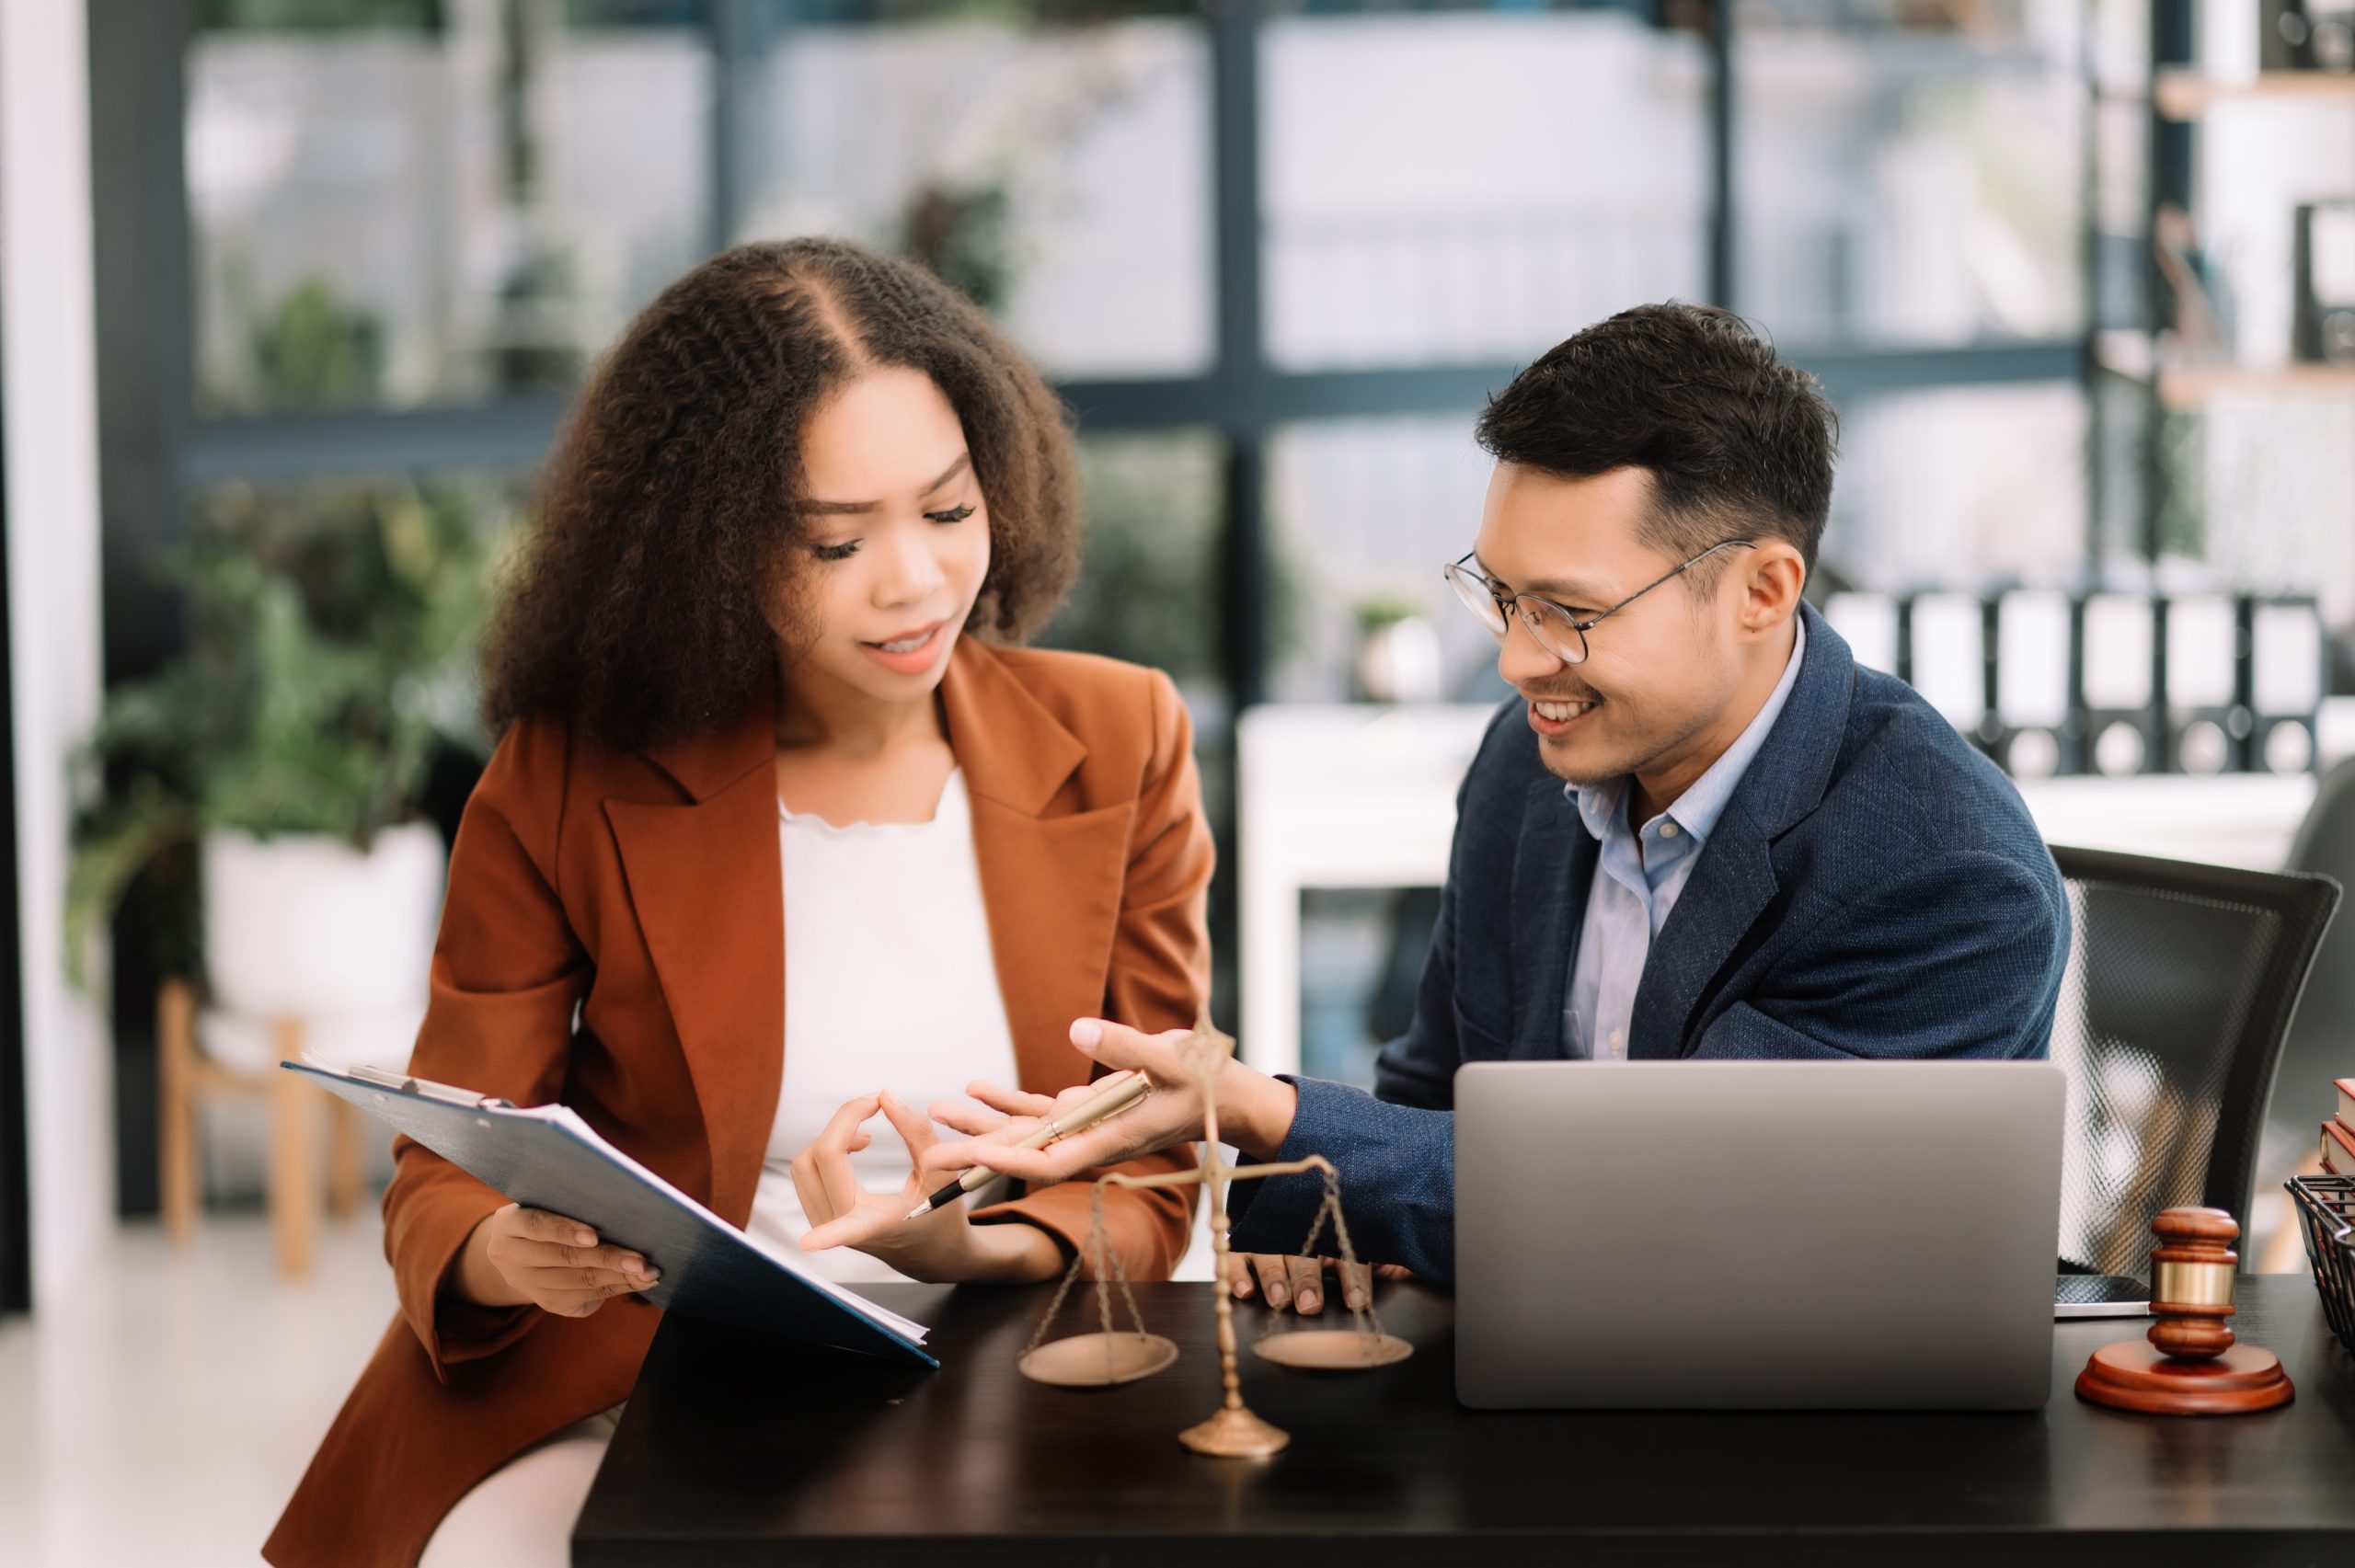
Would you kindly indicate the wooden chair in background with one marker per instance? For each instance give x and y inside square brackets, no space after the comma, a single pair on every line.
[189,1076]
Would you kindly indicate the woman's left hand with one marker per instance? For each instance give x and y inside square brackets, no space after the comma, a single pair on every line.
[941,1246]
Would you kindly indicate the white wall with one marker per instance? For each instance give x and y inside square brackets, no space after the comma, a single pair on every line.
[48,369]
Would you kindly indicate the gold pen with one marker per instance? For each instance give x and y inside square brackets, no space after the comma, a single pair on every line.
[1119,1090]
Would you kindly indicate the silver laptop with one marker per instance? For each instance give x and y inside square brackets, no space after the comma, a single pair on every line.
[1756,1235]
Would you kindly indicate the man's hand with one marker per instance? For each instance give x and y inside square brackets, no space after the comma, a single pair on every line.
[1285,1279]
[1254,1112]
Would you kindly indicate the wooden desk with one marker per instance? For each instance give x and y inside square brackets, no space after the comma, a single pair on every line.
[736,1450]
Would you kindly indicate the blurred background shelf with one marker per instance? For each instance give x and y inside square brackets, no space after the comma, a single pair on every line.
[2189,388]
[2187,95]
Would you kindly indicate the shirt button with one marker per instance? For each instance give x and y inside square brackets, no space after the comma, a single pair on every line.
[1618,1043]
[1668,830]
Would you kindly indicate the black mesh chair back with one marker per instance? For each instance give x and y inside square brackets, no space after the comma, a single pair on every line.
[2181,983]
[2321,1046]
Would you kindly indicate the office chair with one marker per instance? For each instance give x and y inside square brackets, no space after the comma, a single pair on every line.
[2181,983]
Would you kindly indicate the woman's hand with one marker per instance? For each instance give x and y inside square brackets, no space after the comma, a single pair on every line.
[942,1245]
[1254,1112]
[519,1257]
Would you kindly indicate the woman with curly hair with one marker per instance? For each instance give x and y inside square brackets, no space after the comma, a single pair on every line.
[785,836]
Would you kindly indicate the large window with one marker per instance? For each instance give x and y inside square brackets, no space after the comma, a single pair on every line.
[1365,512]
[1274,255]
[1960,487]
[1300,242]
[1468,186]
[453,203]
[1911,173]
[1059,174]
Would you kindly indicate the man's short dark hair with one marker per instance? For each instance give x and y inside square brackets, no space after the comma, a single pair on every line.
[1739,444]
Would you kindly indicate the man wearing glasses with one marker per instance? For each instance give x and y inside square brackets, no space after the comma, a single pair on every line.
[1699,829]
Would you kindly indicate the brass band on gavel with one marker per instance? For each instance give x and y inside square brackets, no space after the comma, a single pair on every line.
[2204,1284]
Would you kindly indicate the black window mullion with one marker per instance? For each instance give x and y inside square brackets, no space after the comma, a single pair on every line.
[743,33]
[145,349]
[15,1175]
[1239,378]
[1723,271]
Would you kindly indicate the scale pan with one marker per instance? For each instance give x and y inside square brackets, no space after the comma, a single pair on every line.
[1333,1350]
[1098,1360]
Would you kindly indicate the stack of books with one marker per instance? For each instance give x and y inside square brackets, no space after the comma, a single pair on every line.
[2339,1133]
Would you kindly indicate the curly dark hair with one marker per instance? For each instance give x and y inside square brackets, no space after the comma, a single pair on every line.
[1735,437]
[667,516]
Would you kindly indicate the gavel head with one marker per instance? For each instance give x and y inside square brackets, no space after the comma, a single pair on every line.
[2191,1282]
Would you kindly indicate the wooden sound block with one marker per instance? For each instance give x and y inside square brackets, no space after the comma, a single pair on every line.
[1098,1360]
[1333,1350]
[2134,1374]
[2188,1365]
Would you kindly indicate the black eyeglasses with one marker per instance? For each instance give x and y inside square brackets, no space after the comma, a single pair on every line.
[1556,628]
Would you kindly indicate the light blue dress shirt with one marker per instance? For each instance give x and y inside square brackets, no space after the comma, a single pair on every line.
[1638,877]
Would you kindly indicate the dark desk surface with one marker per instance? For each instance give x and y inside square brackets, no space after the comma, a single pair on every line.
[736,1449]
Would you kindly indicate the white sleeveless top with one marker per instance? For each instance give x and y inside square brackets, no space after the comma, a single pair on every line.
[888,984]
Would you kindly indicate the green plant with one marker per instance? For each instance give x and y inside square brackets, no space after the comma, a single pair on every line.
[1149,585]
[964,234]
[308,349]
[1375,610]
[328,640]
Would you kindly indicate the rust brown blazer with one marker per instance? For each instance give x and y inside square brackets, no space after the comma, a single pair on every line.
[645,890]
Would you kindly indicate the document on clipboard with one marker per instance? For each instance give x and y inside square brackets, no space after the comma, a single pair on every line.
[546,1157]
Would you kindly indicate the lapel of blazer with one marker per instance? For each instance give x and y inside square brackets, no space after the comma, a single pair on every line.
[1051,877]
[1730,883]
[707,888]
[1552,870]
[709,892]
[1734,879]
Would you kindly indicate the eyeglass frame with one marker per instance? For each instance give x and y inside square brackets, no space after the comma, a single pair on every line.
[1509,608]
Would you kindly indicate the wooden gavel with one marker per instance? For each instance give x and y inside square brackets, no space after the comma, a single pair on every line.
[2188,1364]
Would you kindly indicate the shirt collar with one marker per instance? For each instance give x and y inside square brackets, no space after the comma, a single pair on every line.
[1697,809]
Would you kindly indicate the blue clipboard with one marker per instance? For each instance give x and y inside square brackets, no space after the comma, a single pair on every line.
[546,1157]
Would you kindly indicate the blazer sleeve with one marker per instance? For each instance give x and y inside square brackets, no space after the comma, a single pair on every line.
[1418,1068]
[1159,978]
[1960,956]
[508,971]
[1396,1149]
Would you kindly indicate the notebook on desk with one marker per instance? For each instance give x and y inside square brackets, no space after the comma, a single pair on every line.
[546,1157]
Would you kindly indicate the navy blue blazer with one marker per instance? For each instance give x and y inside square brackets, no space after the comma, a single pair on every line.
[1874,889]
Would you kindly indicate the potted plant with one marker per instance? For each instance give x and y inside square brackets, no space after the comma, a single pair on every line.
[277,762]
[1398,652]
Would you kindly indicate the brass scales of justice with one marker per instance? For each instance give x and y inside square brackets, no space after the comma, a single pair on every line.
[1112,1356]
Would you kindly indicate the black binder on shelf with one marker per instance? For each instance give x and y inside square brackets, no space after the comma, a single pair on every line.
[2207,726]
[2118,643]
[1946,661]
[2323,316]
[2035,664]
[546,1157]
[2286,675]
[1872,626]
